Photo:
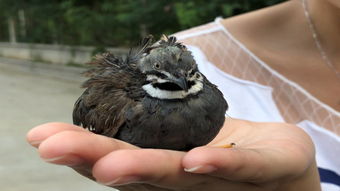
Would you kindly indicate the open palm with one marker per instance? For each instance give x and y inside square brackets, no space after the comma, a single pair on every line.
[267,156]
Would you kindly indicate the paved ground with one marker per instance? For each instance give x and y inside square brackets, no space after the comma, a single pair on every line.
[32,94]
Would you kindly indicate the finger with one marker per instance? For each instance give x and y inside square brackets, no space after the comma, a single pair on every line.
[236,164]
[38,134]
[155,166]
[141,187]
[76,148]
[161,168]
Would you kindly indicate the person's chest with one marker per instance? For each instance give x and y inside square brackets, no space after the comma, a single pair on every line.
[308,71]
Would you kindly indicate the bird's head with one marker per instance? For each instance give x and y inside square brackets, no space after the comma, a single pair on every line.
[170,69]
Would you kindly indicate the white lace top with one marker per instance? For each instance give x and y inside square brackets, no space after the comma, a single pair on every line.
[256,92]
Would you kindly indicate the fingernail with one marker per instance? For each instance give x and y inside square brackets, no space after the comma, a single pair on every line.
[53,159]
[69,160]
[201,169]
[35,143]
[122,180]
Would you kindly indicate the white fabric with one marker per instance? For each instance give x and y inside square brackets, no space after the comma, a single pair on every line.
[257,103]
[329,187]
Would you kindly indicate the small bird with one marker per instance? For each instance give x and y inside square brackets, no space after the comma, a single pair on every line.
[155,97]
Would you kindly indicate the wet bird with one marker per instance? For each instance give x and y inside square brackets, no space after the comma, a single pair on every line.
[155,97]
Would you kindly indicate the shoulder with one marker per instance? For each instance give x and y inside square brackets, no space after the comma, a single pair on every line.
[264,27]
[235,44]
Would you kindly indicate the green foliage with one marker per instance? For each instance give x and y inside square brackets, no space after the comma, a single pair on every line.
[192,13]
[105,23]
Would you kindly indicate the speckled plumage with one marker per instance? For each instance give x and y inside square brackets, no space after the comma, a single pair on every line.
[116,104]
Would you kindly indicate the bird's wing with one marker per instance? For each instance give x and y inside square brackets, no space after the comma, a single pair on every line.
[113,89]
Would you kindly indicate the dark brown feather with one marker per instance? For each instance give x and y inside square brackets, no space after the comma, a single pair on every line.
[102,106]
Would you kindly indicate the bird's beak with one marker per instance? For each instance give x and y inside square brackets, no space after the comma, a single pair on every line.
[181,82]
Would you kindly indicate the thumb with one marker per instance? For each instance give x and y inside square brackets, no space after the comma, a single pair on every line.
[235,164]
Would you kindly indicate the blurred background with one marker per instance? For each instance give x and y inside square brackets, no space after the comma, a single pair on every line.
[109,22]
[43,48]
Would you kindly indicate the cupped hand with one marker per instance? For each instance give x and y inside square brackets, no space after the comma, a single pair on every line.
[267,156]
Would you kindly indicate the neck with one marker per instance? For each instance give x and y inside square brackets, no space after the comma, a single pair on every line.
[155,92]
[325,15]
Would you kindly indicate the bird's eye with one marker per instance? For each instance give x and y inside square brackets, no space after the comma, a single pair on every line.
[157,65]
[198,75]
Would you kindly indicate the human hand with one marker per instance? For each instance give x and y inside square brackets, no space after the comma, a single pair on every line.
[267,156]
